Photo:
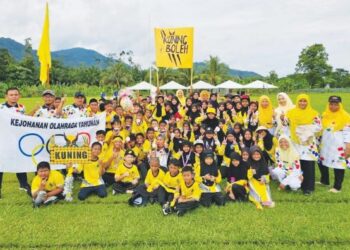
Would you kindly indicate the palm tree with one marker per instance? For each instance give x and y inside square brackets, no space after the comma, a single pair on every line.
[215,71]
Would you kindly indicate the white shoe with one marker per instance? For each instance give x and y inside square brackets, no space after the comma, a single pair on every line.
[333,190]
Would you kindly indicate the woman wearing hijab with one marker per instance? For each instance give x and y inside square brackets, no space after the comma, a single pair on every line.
[258,180]
[181,97]
[266,113]
[284,105]
[247,140]
[304,124]
[237,181]
[287,171]
[335,142]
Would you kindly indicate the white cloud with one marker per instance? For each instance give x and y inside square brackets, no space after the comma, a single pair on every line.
[258,35]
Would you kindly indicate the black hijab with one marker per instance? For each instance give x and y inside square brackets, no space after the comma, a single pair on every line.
[239,172]
[260,166]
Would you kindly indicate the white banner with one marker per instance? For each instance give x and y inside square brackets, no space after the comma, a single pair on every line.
[24,140]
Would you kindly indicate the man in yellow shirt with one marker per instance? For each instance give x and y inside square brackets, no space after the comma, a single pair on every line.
[47,185]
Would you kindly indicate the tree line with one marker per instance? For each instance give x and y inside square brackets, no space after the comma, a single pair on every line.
[312,71]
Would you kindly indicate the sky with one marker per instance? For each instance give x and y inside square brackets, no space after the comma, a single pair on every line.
[254,35]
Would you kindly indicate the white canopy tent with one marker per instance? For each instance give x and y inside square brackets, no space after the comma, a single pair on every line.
[202,85]
[172,85]
[229,85]
[143,86]
[259,85]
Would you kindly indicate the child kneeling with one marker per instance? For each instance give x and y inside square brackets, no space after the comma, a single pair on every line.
[47,185]
[189,193]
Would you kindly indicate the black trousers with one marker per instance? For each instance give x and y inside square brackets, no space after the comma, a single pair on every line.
[22,179]
[146,196]
[308,168]
[338,176]
[208,198]
[121,187]
[239,192]
[109,179]
[184,207]
[163,196]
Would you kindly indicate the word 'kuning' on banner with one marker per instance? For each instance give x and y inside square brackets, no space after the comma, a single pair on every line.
[174,47]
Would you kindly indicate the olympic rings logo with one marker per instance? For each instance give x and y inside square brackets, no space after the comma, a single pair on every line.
[39,147]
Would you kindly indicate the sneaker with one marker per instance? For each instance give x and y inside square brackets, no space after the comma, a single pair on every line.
[51,200]
[180,213]
[129,191]
[334,190]
[114,192]
[166,209]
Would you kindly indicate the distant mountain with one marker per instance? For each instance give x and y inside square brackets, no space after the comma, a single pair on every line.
[75,57]
[199,66]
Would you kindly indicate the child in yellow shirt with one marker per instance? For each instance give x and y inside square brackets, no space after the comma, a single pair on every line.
[47,185]
[92,182]
[169,185]
[188,194]
[127,175]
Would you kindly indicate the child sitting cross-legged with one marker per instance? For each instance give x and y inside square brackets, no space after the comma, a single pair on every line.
[148,192]
[210,178]
[188,194]
[47,185]
[127,175]
[237,181]
[92,182]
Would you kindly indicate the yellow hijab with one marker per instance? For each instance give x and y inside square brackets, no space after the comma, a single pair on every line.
[338,120]
[181,97]
[298,116]
[265,114]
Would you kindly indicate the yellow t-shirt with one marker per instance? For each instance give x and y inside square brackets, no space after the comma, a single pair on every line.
[190,192]
[154,181]
[55,180]
[133,172]
[114,164]
[109,119]
[170,183]
[91,172]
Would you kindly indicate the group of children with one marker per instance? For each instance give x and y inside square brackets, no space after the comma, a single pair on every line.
[185,152]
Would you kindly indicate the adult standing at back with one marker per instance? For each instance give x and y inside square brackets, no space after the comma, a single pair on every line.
[284,105]
[12,98]
[335,142]
[77,109]
[304,123]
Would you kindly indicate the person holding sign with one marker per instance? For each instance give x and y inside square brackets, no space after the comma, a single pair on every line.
[12,97]
[92,182]
[47,185]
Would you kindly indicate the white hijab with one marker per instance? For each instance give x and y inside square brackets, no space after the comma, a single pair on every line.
[291,154]
[283,109]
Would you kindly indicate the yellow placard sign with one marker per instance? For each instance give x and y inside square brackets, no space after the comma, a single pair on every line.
[65,155]
[174,47]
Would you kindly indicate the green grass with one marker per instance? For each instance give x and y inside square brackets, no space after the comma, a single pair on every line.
[320,221]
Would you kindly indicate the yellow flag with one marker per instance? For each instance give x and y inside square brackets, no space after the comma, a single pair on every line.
[174,47]
[44,51]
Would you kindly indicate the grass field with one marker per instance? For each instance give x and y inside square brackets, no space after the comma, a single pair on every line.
[319,221]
